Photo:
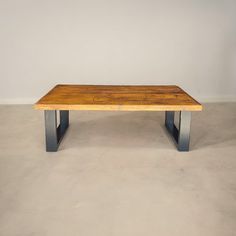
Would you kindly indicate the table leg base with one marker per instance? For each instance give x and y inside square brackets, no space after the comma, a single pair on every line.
[181,134]
[54,133]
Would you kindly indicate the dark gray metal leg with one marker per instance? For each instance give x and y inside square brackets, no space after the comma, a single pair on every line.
[169,120]
[53,133]
[181,134]
[184,130]
[64,122]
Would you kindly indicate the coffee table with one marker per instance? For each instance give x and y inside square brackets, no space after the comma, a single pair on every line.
[168,98]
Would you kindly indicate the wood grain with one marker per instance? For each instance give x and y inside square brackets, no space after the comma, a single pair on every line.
[118,97]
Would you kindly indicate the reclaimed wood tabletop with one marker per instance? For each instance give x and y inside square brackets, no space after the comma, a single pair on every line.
[118,97]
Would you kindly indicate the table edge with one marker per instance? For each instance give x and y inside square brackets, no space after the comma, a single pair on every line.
[96,107]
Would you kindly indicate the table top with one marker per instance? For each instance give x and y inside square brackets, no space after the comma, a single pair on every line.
[118,97]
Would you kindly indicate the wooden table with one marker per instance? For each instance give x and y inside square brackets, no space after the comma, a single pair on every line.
[170,99]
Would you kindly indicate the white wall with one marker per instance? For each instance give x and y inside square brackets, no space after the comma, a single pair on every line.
[191,43]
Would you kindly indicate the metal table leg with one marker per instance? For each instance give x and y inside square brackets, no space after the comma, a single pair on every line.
[182,133]
[54,133]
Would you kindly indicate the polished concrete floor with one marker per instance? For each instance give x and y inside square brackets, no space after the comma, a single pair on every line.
[118,173]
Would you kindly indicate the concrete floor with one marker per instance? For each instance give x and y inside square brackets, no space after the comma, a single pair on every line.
[118,173]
